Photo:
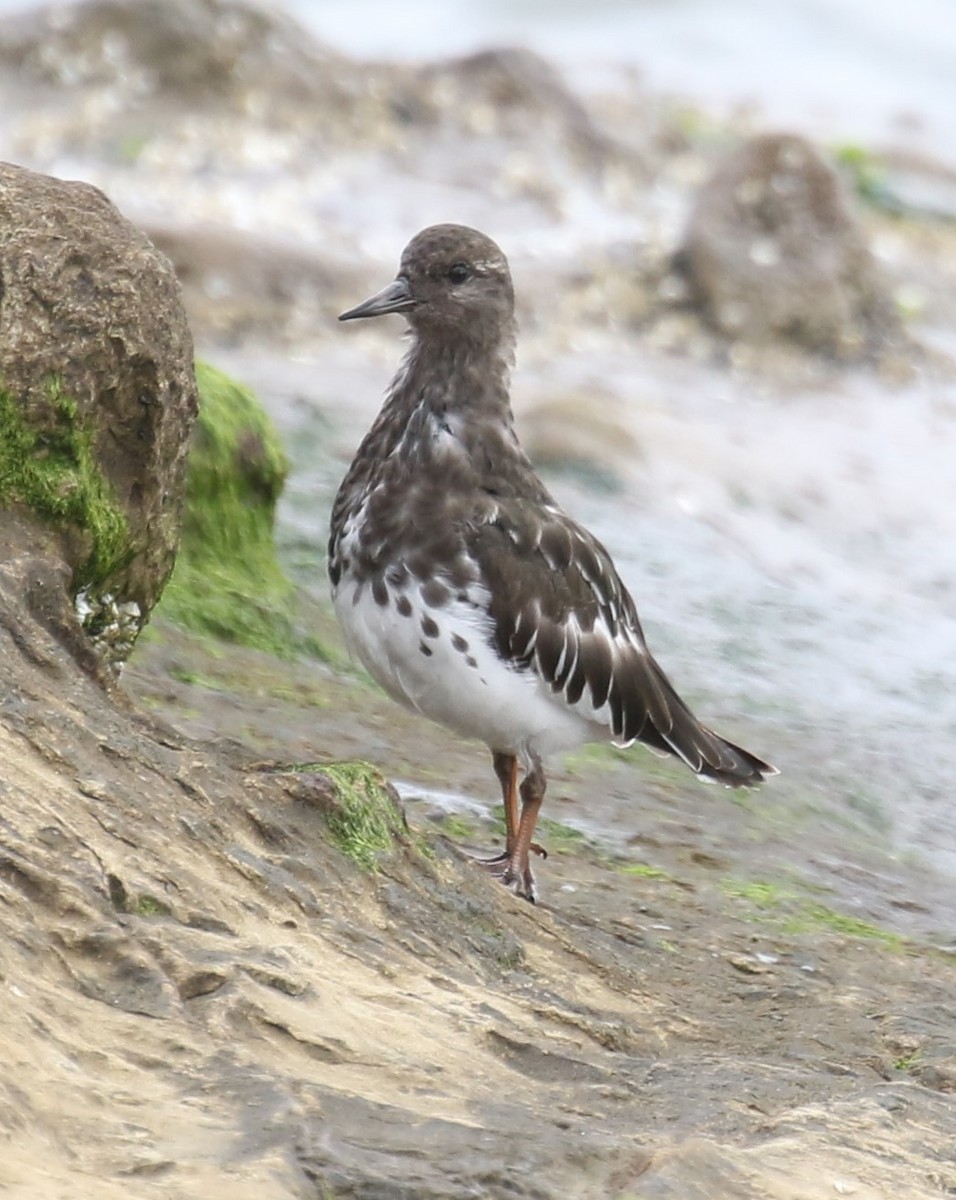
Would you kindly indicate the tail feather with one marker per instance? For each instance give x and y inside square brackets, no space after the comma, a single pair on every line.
[707,754]
[743,770]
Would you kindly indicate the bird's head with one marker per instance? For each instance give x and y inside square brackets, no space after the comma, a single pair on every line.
[453,283]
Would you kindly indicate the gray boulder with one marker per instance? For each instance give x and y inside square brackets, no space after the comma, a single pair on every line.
[773,249]
[97,400]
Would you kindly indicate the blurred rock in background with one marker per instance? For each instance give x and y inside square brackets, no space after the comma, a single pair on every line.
[773,249]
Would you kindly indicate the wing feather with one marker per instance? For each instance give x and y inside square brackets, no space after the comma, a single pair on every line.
[560,609]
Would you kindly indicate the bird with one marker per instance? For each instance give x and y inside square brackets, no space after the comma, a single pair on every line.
[461,584]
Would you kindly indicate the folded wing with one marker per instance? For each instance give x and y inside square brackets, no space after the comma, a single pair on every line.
[560,609]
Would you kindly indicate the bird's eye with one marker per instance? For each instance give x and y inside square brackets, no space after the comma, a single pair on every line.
[459,272]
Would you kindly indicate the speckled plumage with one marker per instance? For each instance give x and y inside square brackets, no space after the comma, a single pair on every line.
[458,580]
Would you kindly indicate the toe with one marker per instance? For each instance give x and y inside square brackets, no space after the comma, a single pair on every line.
[522,883]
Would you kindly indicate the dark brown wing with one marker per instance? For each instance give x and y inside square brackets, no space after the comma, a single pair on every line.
[560,609]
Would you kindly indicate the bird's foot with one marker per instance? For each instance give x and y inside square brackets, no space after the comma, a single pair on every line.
[521,882]
[503,857]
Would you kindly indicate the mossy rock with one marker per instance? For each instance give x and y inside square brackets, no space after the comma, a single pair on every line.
[362,810]
[97,400]
[48,466]
[227,582]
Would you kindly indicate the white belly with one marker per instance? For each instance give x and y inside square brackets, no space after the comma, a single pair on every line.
[456,678]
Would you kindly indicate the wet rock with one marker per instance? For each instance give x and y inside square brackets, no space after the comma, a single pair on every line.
[501,91]
[97,398]
[940,1075]
[185,48]
[239,290]
[110,967]
[772,249]
[220,84]
[198,984]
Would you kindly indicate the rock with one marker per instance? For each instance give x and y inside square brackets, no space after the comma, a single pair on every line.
[198,985]
[362,809]
[185,48]
[772,249]
[97,399]
[500,91]
[226,84]
[242,290]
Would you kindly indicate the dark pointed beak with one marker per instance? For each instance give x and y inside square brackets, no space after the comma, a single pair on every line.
[395,298]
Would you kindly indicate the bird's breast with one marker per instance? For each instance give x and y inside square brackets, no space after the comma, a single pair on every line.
[432,649]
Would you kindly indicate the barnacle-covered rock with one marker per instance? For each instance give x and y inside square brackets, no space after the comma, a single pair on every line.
[97,399]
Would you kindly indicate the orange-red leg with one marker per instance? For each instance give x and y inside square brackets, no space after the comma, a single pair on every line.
[506,768]
[512,866]
[519,871]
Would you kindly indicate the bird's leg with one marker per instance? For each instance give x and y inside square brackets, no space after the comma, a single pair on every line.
[518,873]
[506,768]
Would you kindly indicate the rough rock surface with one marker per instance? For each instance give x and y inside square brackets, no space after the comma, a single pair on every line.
[772,249]
[93,336]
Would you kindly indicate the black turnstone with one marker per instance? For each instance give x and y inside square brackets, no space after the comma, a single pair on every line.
[462,585]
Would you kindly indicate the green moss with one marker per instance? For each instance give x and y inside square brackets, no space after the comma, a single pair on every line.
[47,464]
[227,582]
[142,905]
[811,917]
[643,871]
[194,678]
[760,895]
[867,174]
[365,821]
[561,839]
[595,756]
[794,914]
[146,905]
[454,825]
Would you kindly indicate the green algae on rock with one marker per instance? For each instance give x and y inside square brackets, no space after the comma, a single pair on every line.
[362,810]
[368,818]
[227,581]
[47,465]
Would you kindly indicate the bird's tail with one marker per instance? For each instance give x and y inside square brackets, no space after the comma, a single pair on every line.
[668,725]
[744,769]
